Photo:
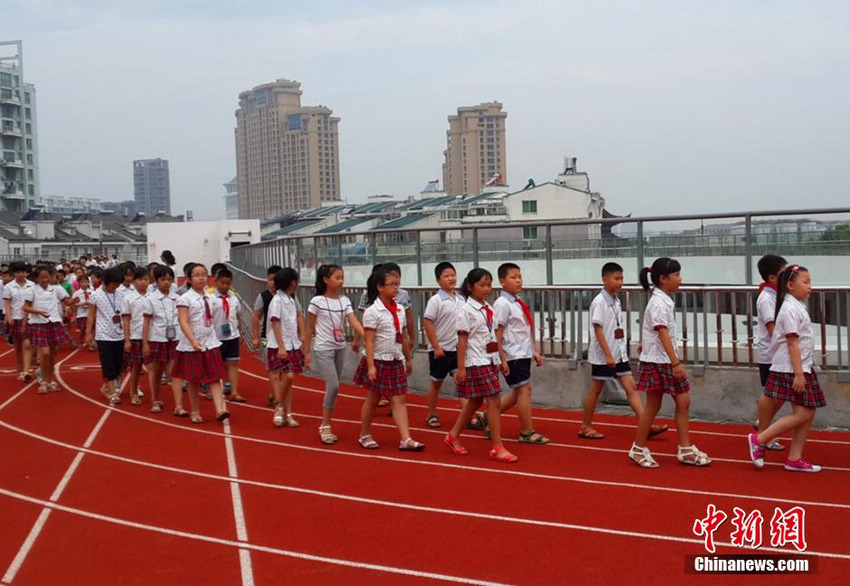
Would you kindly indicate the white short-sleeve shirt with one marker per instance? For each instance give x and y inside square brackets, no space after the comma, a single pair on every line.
[137,307]
[516,337]
[200,322]
[84,295]
[659,314]
[607,312]
[15,293]
[107,306]
[793,319]
[766,309]
[284,309]
[164,314]
[379,318]
[221,317]
[442,310]
[472,319]
[49,299]
[331,315]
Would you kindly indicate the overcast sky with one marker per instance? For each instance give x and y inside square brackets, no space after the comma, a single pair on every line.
[672,107]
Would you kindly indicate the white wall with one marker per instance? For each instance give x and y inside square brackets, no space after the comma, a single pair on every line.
[203,242]
[553,203]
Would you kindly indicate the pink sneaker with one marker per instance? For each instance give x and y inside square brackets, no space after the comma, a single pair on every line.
[756,450]
[801,465]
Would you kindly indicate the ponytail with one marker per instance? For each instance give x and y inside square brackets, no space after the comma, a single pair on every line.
[377,279]
[660,268]
[785,277]
[323,273]
[643,278]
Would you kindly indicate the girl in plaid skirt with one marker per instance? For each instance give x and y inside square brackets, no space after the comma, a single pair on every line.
[16,319]
[792,377]
[477,376]
[382,371]
[45,303]
[83,296]
[661,371]
[284,357]
[159,340]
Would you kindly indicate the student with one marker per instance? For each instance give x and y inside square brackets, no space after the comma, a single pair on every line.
[82,296]
[135,308]
[608,353]
[382,371]
[792,375]
[4,279]
[96,275]
[16,320]
[515,334]
[770,268]
[661,371]
[477,376]
[159,340]
[260,317]
[198,357]
[440,323]
[45,305]
[187,272]
[327,313]
[226,324]
[104,326]
[284,356]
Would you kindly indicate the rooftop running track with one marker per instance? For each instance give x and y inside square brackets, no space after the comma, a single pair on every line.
[93,494]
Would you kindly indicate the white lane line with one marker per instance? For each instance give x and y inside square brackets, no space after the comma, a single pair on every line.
[552,419]
[377,502]
[238,512]
[250,546]
[414,462]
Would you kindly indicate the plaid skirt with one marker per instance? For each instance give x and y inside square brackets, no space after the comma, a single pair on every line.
[390,380]
[275,362]
[779,386]
[15,331]
[654,377]
[163,351]
[135,356]
[81,324]
[51,334]
[199,367]
[481,381]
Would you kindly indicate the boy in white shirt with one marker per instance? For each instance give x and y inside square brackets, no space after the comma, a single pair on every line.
[83,296]
[440,323]
[16,320]
[226,324]
[135,307]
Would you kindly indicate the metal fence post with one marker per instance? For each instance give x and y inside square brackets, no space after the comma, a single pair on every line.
[639,243]
[373,254]
[748,248]
[550,277]
[419,258]
[475,247]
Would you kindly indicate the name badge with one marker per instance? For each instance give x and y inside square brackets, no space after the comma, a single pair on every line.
[492,347]
[170,332]
[339,336]
[116,319]
[225,329]
[618,333]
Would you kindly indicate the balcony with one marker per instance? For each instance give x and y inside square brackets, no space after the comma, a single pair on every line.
[16,193]
[11,100]
[16,163]
[11,130]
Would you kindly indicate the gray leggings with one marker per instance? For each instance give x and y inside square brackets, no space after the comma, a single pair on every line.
[329,365]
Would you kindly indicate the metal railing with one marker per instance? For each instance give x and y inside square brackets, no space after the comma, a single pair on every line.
[717,325]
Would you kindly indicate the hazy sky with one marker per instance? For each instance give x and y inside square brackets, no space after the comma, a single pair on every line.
[672,107]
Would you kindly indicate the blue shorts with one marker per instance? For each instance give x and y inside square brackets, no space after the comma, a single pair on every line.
[605,372]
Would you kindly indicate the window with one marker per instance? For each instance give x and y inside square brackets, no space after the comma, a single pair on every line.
[529,207]
[529,233]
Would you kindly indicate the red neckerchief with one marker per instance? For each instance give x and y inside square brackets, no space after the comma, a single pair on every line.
[225,304]
[488,312]
[769,286]
[393,307]
[527,311]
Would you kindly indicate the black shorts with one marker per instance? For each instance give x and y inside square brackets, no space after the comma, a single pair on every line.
[764,372]
[229,350]
[440,368]
[519,373]
[605,372]
[111,359]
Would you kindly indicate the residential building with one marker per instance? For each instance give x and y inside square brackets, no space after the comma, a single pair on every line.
[287,155]
[231,200]
[19,186]
[151,187]
[475,155]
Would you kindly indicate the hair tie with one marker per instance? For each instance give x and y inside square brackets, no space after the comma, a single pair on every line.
[795,268]
[648,269]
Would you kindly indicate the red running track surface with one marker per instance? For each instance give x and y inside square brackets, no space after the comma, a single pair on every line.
[91,494]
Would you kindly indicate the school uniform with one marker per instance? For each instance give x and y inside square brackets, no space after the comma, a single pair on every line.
[766,311]
[607,313]
[329,342]
[15,293]
[478,321]
[225,310]
[442,309]
[387,321]
[136,306]
[47,331]
[793,321]
[81,313]
[109,334]
[284,309]
[162,335]
[515,317]
[655,372]
[204,366]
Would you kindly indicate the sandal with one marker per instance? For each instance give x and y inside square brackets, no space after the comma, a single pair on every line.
[222,416]
[53,387]
[410,445]
[156,407]
[180,412]
[291,421]
[238,399]
[691,456]
[271,401]
[42,389]
[115,399]
[278,417]
[483,424]
[135,399]
[454,445]
[642,457]
[328,438]
[474,423]
[207,395]
[658,430]
[196,417]
[383,402]
[532,437]
[590,434]
[433,421]
[366,442]
[505,457]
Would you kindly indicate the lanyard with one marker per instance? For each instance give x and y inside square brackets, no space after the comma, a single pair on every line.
[169,321]
[112,302]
